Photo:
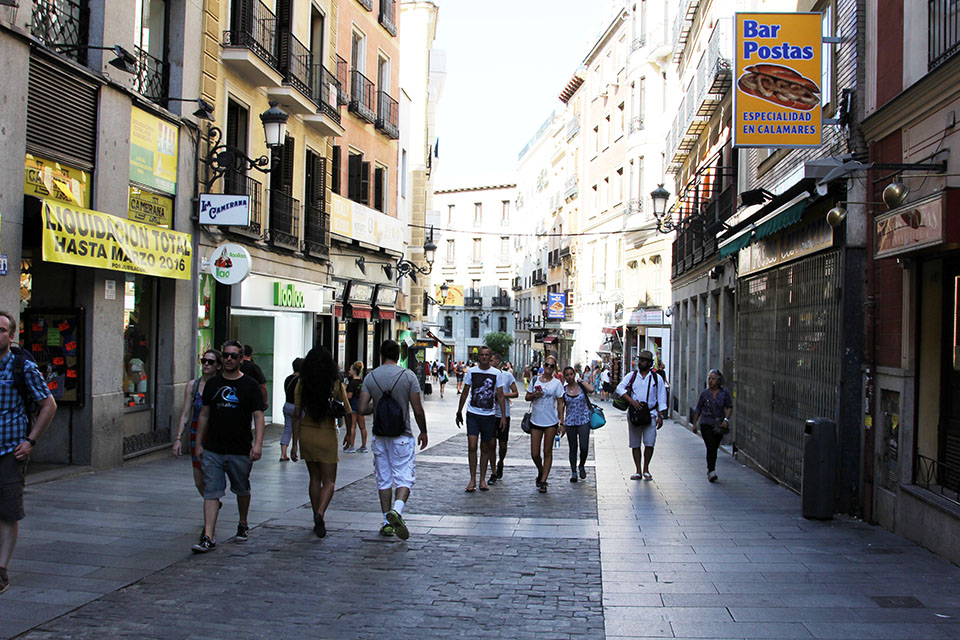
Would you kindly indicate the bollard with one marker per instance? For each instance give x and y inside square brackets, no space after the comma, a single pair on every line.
[818,486]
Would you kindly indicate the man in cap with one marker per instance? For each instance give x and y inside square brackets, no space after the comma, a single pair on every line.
[646,394]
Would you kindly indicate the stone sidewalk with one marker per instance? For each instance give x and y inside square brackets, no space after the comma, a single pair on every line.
[107,555]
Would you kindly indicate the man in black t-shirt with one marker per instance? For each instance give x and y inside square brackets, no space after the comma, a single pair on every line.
[250,368]
[230,400]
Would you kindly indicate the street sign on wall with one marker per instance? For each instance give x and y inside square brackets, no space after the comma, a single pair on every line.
[777,88]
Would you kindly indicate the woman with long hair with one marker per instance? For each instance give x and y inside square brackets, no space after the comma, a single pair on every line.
[575,418]
[192,404]
[355,419]
[545,395]
[711,417]
[315,429]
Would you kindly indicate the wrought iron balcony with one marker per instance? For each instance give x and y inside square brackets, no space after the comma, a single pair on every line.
[366,4]
[343,77]
[517,283]
[634,207]
[502,300]
[939,477]
[238,183]
[473,301]
[638,43]
[573,127]
[943,32]
[388,16]
[284,220]
[326,90]
[564,250]
[64,23]
[572,187]
[316,233]
[255,28]
[361,96]
[388,115]
[539,277]
[151,78]
[296,64]
[636,124]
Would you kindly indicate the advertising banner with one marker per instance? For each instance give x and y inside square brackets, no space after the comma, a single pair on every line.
[89,238]
[556,306]
[150,208]
[230,263]
[454,295]
[153,151]
[230,210]
[48,179]
[777,80]
[358,222]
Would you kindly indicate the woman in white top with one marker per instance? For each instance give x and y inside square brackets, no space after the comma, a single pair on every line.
[545,395]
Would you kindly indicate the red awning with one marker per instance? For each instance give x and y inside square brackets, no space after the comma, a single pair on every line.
[386,314]
[360,311]
[338,311]
[611,330]
[549,339]
[432,335]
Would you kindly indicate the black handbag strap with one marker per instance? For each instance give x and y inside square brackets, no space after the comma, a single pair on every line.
[586,396]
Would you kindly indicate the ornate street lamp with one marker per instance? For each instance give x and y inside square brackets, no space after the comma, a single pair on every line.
[407,268]
[660,197]
[223,157]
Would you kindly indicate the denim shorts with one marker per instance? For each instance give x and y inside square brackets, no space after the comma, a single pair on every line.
[12,476]
[217,467]
[483,426]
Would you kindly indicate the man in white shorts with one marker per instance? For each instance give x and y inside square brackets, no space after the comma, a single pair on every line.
[646,393]
[394,457]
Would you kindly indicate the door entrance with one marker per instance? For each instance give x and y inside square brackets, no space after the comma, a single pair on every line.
[948,445]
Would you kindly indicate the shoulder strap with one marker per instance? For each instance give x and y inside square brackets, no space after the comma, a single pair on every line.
[19,380]
[396,381]
[586,396]
[630,384]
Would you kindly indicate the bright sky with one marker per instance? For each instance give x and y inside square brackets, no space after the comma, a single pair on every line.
[507,61]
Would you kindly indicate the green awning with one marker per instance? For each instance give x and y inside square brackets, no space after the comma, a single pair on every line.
[738,243]
[782,220]
[403,317]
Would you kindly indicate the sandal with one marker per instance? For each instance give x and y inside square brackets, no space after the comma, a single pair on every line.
[543,487]
[470,489]
[636,476]
[648,476]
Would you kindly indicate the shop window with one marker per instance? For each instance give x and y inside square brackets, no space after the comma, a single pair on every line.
[139,296]
[474,327]
[448,325]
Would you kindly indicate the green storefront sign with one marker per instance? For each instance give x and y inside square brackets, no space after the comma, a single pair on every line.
[287,296]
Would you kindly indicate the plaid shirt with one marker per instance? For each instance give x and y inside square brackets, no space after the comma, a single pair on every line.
[13,416]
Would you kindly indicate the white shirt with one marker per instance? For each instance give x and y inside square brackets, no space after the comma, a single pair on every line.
[644,389]
[483,390]
[544,410]
[605,376]
[506,383]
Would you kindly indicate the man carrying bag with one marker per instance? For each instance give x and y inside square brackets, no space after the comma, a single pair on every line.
[646,395]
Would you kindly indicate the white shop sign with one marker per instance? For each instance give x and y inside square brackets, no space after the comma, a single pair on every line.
[222,209]
[260,292]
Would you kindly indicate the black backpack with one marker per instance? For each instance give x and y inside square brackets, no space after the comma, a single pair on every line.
[388,418]
[30,406]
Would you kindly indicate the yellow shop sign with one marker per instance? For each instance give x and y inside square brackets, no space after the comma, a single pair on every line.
[50,179]
[149,208]
[87,238]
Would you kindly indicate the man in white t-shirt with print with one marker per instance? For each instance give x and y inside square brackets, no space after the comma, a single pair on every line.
[646,393]
[509,386]
[483,386]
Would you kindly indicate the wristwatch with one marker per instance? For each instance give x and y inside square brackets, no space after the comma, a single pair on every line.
[32,442]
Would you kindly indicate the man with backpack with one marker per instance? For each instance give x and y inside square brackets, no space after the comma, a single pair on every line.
[388,392]
[646,395]
[22,392]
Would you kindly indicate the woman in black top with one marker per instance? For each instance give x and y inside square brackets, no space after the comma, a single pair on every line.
[355,419]
[289,386]
[712,417]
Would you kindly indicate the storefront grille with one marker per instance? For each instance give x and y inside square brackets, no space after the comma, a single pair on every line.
[72,140]
[788,360]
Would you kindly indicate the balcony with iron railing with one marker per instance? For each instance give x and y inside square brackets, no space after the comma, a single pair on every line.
[697,241]
[943,31]
[284,220]
[473,301]
[362,95]
[316,230]
[636,124]
[638,43]
[296,64]
[564,249]
[366,4]
[539,277]
[388,16]
[501,301]
[572,187]
[573,127]
[251,46]
[343,77]
[325,91]
[938,477]
[63,23]
[238,183]
[517,283]
[151,78]
[388,115]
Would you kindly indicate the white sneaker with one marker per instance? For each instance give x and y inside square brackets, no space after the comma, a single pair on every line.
[349,450]
[712,476]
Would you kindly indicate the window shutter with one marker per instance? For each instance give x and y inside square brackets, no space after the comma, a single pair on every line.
[365,183]
[354,163]
[335,170]
[378,189]
[289,153]
[71,139]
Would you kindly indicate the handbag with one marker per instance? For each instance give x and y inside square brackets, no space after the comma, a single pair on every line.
[525,423]
[619,403]
[336,409]
[597,419]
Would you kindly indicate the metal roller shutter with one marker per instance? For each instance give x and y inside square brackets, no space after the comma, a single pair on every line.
[61,114]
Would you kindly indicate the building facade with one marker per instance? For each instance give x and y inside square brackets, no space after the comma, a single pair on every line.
[475,262]
[98,244]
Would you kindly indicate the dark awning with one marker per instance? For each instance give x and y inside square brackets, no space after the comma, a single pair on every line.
[361,311]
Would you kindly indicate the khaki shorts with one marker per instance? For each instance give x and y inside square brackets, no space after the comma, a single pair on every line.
[12,476]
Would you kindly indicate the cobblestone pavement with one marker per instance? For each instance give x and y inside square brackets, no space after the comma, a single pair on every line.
[609,558]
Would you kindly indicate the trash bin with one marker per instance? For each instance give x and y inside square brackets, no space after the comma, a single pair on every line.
[818,486]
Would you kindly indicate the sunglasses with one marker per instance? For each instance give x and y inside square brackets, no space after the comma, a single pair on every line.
[230,355]
[210,361]
[550,366]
